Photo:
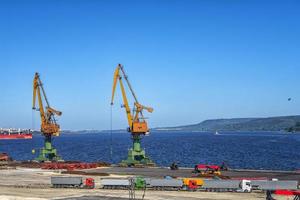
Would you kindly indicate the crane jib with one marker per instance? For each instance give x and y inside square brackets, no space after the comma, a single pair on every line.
[136,119]
[48,121]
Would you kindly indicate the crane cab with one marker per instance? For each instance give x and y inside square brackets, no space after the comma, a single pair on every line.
[139,127]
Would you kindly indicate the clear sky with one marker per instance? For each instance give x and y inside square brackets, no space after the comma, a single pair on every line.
[190,60]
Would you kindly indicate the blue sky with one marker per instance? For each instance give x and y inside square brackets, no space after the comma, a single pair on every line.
[190,60]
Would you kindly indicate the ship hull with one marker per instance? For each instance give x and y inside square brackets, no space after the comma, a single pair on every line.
[15,136]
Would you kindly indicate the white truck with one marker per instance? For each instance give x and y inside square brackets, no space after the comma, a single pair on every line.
[227,185]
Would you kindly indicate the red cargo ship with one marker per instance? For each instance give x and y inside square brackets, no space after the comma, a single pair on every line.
[10,134]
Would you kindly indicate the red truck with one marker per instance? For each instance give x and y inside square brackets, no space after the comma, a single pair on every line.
[72,182]
[204,169]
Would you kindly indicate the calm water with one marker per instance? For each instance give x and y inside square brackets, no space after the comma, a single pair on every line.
[239,150]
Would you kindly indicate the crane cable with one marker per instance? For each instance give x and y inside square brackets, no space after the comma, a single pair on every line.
[32,126]
[32,120]
[111,138]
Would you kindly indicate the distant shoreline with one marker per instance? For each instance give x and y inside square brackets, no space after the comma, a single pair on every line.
[171,132]
[239,125]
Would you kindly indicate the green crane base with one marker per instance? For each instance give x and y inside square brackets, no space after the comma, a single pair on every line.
[48,153]
[136,156]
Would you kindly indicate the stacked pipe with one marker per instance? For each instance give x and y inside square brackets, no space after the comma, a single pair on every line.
[69,166]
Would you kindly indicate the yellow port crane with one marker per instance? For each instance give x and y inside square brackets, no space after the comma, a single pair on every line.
[136,121]
[49,126]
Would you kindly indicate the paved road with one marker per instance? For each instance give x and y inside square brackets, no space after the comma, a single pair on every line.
[187,172]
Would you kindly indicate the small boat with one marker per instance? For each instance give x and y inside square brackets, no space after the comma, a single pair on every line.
[217,133]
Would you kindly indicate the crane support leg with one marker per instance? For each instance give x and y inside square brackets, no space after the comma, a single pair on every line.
[48,153]
[137,155]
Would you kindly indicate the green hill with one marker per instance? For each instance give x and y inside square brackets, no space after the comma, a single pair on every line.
[240,124]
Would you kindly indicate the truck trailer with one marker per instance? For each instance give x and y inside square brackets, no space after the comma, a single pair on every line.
[72,182]
[274,185]
[227,185]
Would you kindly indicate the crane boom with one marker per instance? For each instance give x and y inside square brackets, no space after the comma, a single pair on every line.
[37,92]
[136,121]
[49,127]
[125,100]
[47,114]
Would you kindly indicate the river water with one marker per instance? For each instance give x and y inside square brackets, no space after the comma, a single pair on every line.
[247,150]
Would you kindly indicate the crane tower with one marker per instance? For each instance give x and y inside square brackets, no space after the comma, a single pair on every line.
[137,124]
[49,126]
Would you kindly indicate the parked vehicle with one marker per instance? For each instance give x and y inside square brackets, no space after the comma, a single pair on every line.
[72,182]
[192,183]
[174,166]
[109,183]
[182,184]
[189,184]
[207,170]
[164,184]
[227,185]
[274,185]
[288,194]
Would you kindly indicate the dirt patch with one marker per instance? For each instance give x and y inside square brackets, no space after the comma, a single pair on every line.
[85,173]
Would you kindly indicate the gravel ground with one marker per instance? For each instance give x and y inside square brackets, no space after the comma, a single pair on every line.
[34,184]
